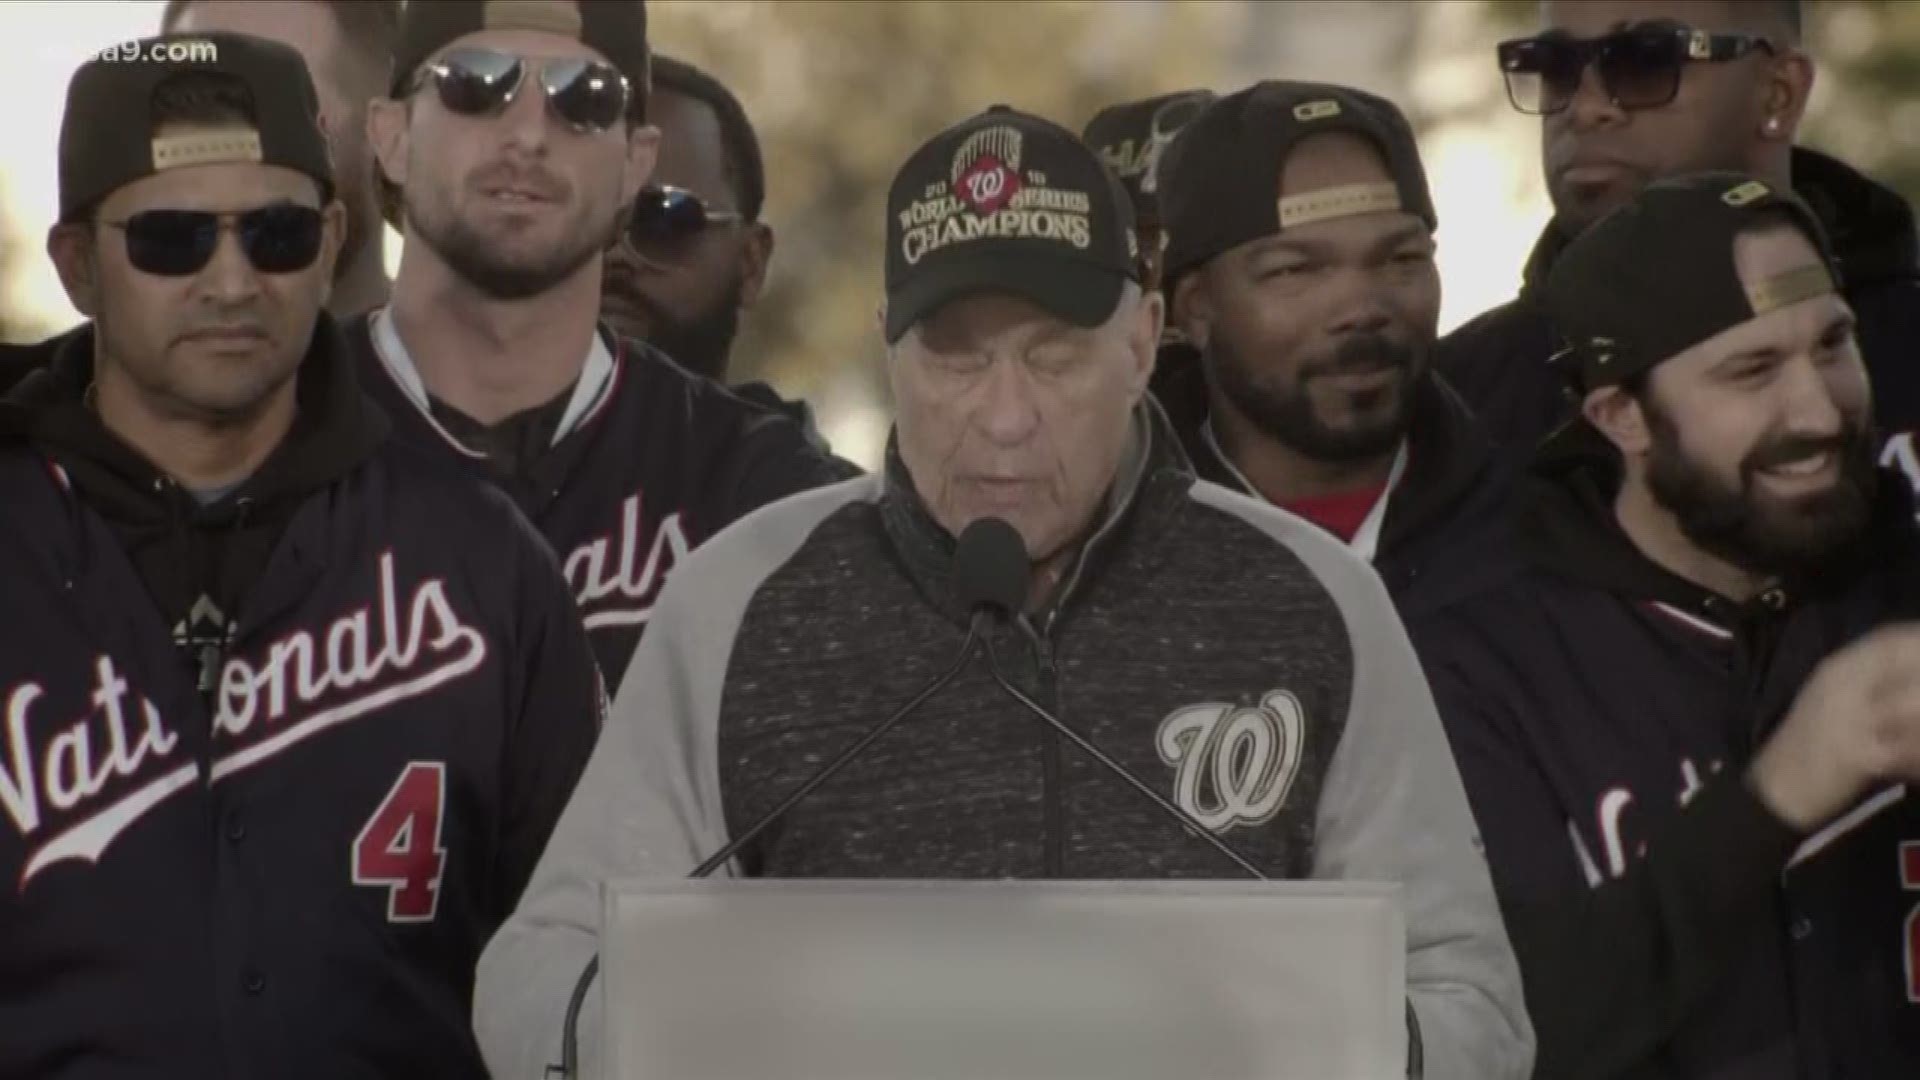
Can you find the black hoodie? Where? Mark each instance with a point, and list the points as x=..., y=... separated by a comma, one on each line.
x=1603, y=713
x=1498, y=360
x=198, y=561
x=287, y=869
x=1442, y=518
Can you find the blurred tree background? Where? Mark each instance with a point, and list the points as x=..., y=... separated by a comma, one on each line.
x=842, y=91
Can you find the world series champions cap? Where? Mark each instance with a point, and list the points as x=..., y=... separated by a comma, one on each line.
x=1220, y=180
x=616, y=29
x=1657, y=276
x=1006, y=202
x=108, y=139
x=1132, y=136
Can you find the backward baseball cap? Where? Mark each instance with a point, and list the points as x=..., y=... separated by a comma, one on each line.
x=108, y=138
x=1220, y=180
x=1007, y=202
x=1657, y=276
x=616, y=29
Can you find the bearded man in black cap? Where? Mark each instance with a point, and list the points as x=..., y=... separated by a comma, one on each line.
x=1301, y=239
x=1693, y=802
x=289, y=711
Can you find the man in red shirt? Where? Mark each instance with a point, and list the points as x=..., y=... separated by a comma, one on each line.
x=1300, y=265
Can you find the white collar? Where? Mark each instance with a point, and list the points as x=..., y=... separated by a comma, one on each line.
x=1366, y=540
x=596, y=376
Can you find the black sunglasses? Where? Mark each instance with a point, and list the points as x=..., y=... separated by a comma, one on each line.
x=666, y=220
x=279, y=239
x=587, y=95
x=1639, y=67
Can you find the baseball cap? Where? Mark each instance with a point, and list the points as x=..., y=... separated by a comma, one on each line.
x=1656, y=276
x=1132, y=135
x=107, y=139
x=1006, y=202
x=1220, y=180
x=617, y=29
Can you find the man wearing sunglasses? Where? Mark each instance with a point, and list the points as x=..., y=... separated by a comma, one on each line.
x=1698, y=810
x=1630, y=91
x=516, y=132
x=695, y=253
x=348, y=46
x=288, y=710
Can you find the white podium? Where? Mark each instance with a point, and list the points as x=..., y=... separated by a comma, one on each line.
x=1015, y=980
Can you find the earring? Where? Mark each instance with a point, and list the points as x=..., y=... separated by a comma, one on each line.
x=1773, y=125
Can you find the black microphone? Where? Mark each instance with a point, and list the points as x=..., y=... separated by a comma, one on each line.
x=1009, y=573
x=982, y=582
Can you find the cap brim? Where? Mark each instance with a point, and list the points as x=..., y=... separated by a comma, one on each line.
x=1079, y=292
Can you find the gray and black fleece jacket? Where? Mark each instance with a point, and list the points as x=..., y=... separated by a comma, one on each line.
x=1231, y=654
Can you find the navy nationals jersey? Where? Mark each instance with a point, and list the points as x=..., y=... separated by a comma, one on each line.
x=648, y=462
x=281, y=860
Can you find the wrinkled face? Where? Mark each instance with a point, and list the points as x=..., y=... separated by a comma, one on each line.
x=683, y=292
x=212, y=345
x=342, y=81
x=1760, y=438
x=1597, y=156
x=1003, y=410
x=514, y=201
x=1317, y=334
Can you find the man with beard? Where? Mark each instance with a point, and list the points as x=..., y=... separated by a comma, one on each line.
x=1703, y=868
x=517, y=134
x=1300, y=260
x=1629, y=91
x=348, y=45
x=695, y=252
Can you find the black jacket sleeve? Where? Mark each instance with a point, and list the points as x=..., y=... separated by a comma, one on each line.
x=558, y=714
x=1611, y=970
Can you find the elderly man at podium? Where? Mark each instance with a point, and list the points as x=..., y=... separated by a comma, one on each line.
x=1092, y=667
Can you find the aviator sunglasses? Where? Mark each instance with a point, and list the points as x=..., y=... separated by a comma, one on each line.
x=1639, y=67
x=587, y=95
x=279, y=239
x=666, y=220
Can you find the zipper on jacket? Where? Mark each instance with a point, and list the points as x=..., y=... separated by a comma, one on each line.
x=1052, y=805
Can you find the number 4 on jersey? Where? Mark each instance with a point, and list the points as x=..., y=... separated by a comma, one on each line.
x=399, y=846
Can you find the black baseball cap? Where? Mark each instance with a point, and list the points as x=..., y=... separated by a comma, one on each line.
x=1657, y=277
x=1132, y=135
x=616, y=29
x=1220, y=180
x=108, y=138
x=1006, y=202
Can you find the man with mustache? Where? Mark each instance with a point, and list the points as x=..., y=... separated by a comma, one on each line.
x=288, y=709
x=1685, y=785
x=518, y=134
x=1630, y=91
x=1300, y=262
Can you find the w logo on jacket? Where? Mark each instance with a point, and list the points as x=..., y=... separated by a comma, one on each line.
x=1234, y=764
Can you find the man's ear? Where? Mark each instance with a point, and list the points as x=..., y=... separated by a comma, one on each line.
x=70, y=246
x=756, y=253
x=1192, y=311
x=1788, y=88
x=1618, y=415
x=387, y=134
x=1143, y=338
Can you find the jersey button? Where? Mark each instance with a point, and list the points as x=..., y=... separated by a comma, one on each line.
x=1802, y=928
x=236, y=829
x=253, y=981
